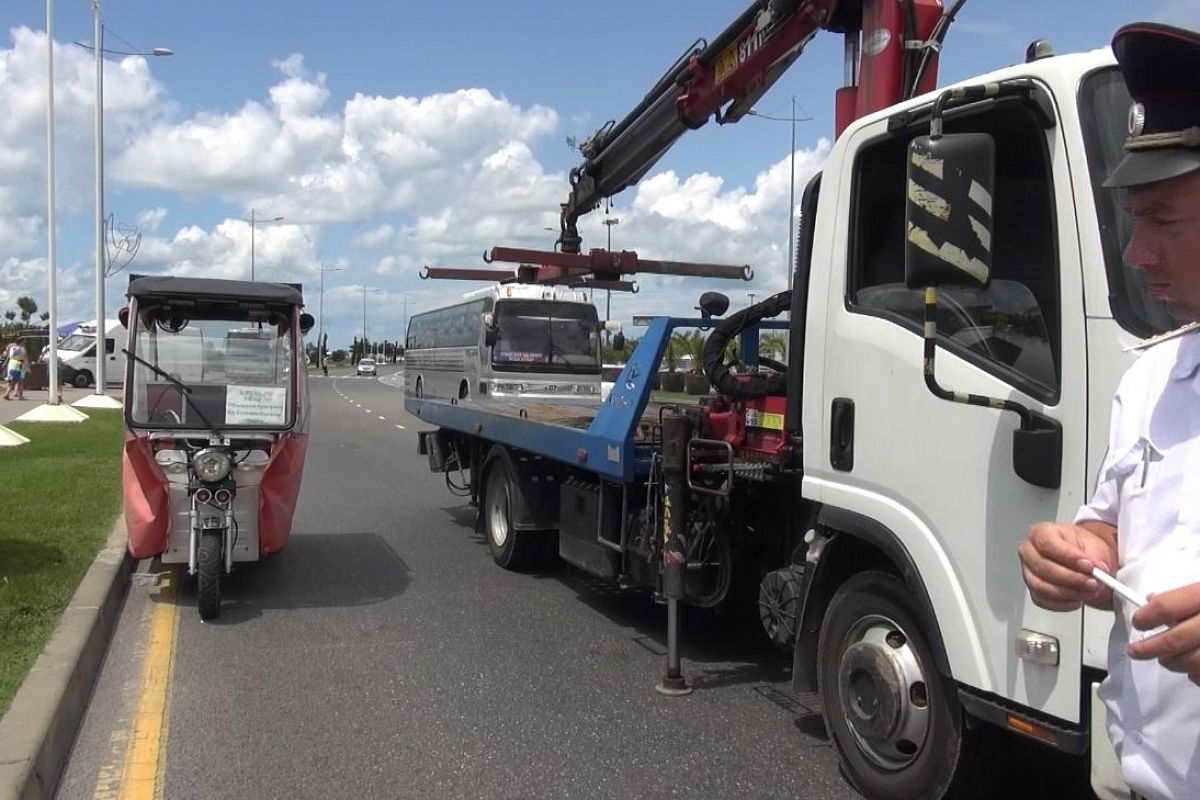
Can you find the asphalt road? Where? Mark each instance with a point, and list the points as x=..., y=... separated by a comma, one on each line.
x=384, y=655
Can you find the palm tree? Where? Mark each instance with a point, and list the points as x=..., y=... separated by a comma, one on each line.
x=45, y=317
x=695, y=349
x=677, y=346
x=28, y=309
x=773, y=345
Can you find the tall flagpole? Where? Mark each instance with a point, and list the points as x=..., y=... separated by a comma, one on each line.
x=51, y=222
x=53, y=410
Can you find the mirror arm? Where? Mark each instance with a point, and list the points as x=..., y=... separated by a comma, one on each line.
x=1037, y=444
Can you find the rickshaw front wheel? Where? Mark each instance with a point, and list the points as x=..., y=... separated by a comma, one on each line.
x=208, y=574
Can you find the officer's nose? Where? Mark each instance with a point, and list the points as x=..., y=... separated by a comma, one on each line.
x=1142, y=252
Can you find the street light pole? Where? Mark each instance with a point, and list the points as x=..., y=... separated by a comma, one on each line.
x=608, y=223
x=253, y=220
x=321, y=324
x=791, y=266
x=404, y=301
x=100, y=400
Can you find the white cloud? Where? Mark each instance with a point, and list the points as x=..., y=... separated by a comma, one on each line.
x=150, y=219
x=375, y=237
x=424, y=180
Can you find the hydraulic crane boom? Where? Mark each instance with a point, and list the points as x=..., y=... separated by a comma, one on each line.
x=898, y=40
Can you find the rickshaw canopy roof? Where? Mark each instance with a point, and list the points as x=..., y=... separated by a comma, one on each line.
x=214, y=290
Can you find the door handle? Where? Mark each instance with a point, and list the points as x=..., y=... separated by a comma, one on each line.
x=841, y=434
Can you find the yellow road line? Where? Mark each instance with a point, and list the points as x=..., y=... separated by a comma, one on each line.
x=142, y=774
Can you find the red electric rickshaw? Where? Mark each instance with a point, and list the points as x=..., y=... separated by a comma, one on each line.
x=216, y=415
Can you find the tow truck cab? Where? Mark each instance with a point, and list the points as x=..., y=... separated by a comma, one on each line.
x=927, y=488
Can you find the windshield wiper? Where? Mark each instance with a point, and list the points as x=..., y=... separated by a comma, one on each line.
x=185, y=390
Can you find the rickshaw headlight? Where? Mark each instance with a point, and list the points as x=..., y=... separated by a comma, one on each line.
x=211, y=465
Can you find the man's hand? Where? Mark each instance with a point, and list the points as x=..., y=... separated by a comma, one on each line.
x=1057, y=561
x=1178, y=647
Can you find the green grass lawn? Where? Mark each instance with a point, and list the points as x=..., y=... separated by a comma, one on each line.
x=59, y=497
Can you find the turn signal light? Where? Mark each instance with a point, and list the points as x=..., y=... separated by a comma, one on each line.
x=224, y=496
x=203, y=495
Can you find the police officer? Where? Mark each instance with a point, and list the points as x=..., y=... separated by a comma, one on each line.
x=1143, y=522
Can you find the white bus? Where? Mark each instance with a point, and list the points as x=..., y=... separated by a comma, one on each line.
x=508, y=340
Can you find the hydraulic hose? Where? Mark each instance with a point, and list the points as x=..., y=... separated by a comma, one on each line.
x=713, y=358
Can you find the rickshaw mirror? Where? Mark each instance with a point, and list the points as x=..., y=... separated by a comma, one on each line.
x=123, y=316
x=306, y=322
x=171, y=321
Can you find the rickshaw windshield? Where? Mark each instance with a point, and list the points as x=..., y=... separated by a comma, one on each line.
x=211, y=372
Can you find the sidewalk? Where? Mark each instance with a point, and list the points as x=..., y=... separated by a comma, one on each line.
x=11, y=409
x=38, y=730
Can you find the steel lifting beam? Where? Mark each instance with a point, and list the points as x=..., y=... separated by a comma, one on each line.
x=611, y=264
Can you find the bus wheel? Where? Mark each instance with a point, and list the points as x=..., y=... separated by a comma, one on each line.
x=511, y=549
x=894, y=718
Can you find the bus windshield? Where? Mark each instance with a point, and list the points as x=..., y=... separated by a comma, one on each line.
x=546, y=336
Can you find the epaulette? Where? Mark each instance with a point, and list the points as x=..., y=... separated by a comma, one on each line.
x=1163, y=337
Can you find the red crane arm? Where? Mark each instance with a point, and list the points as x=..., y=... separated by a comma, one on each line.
x=725, y=78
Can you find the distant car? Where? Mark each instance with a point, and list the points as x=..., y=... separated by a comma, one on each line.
x=366, y=366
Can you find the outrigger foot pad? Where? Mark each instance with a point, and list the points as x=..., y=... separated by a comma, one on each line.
x=673, y=687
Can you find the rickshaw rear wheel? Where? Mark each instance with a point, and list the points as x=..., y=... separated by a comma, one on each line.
x=208, y=575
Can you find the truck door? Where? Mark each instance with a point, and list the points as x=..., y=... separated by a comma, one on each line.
x=938, y=476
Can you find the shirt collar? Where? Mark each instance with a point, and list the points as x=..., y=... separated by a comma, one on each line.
x=1187, y=359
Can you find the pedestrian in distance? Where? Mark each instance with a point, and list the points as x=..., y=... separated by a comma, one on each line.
x=16, y=366
x=1142, y=525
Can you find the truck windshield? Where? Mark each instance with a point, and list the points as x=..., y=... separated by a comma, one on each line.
x=1104, y=108
x=547, y=336
x=240, y=374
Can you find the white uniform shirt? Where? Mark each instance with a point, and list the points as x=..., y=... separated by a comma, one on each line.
x=1149, y=489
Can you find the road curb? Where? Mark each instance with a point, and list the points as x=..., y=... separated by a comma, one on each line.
x=38, y=730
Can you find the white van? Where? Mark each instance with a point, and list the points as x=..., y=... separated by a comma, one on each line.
x=78, y=351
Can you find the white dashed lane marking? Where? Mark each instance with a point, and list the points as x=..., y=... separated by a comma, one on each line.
x=367, y=410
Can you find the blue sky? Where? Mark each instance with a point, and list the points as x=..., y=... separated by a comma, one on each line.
x=395, y=134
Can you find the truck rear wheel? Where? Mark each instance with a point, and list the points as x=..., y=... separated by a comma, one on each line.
x=895, y=719
x=511, y=549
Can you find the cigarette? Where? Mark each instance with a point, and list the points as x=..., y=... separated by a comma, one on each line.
x=1127, y=594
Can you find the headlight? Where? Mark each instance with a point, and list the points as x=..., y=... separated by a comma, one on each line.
x=211, y=465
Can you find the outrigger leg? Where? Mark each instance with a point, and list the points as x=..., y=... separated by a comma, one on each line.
x=677, y=430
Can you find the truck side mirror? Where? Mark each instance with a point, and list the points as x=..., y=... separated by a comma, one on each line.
x=948, y=242
x=490, y=332
x=306, y=322
x=948, y=213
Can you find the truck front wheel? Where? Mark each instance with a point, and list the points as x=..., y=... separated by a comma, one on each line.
x=894, y=718
x=511, y=549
